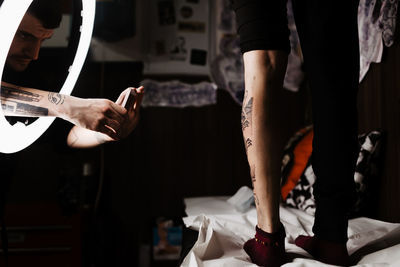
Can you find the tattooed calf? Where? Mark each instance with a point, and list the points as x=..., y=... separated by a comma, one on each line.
x=256, y=199
x=249, y=143
x=249, y=107
x=244, y=121
x=246, y=114
x=253, y=174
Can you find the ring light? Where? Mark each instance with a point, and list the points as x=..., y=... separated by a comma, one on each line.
x=19, y=136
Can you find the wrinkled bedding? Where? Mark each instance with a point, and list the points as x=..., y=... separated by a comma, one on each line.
x=223, y=230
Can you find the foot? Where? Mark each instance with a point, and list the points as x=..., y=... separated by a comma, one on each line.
x=324, y=251
x=267, y=249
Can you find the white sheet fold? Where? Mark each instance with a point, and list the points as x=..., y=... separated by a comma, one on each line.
x=223, y=230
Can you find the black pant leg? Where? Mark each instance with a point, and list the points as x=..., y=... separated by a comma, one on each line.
x=262, y=24
x=329, y=40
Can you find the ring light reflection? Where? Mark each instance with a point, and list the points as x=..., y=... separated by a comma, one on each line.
x=19, y=136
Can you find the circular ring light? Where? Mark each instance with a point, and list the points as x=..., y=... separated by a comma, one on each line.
x=19, y=136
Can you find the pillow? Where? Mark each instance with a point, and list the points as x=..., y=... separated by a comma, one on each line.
x=295, y=159
x=298, y=176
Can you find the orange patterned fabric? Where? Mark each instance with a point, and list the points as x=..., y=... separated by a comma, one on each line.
x=302, y=153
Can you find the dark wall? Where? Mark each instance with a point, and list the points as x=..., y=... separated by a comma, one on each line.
x=379, y=108
x=174, y=153
x=178, y=153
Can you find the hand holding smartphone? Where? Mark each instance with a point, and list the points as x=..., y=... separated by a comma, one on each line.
x=129, y=98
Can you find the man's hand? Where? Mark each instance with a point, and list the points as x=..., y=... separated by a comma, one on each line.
x=80, y=137
x=100, y=115
x=132, y=116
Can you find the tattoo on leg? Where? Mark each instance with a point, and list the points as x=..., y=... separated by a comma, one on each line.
x=256, y=199
x=16, y=93
x=253, y=174
x=55, y=98
x=249, y=143
x=246, y=114
x=244, y=121
x=249, y=107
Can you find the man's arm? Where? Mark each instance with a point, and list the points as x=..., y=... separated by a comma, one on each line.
x=80, y=137
x=101, y=115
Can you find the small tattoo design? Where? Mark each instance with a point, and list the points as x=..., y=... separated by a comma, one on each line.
x=249, y=143
x=55, y=98
x=246, y=114
x=249, y=107
x=31, y=110
x=16, y=93
x=256, y=199
x=245, y=124
x=244, y=121
x=253, y=174
x=16, y=108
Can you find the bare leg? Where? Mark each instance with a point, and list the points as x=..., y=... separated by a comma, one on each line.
x=264, y=73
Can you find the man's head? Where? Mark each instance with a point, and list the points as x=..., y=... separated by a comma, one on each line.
x=38, y=24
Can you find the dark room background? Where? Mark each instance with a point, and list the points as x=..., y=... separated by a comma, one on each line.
x=97, y=207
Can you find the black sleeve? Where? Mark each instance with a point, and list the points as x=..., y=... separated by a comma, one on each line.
x=262, y=24
x=56, y=135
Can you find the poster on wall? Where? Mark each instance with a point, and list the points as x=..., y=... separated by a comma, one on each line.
x=178, y=37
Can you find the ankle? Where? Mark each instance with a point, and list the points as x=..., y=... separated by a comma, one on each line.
x=269, y=226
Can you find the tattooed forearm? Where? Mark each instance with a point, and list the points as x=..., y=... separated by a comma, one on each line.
x=56, y=98
x=19, y=94
x=26, y=109
x=21, y=109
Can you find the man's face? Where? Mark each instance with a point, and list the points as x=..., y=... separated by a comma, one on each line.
x=27, y=41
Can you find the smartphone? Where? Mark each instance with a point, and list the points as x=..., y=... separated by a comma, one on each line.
x=129, y=99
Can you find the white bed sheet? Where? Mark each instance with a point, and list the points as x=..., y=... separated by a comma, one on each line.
x=223, y=231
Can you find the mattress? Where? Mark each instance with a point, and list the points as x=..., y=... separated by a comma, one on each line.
x=223, y=230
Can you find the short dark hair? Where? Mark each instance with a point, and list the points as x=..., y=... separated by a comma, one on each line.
x=49, y=12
